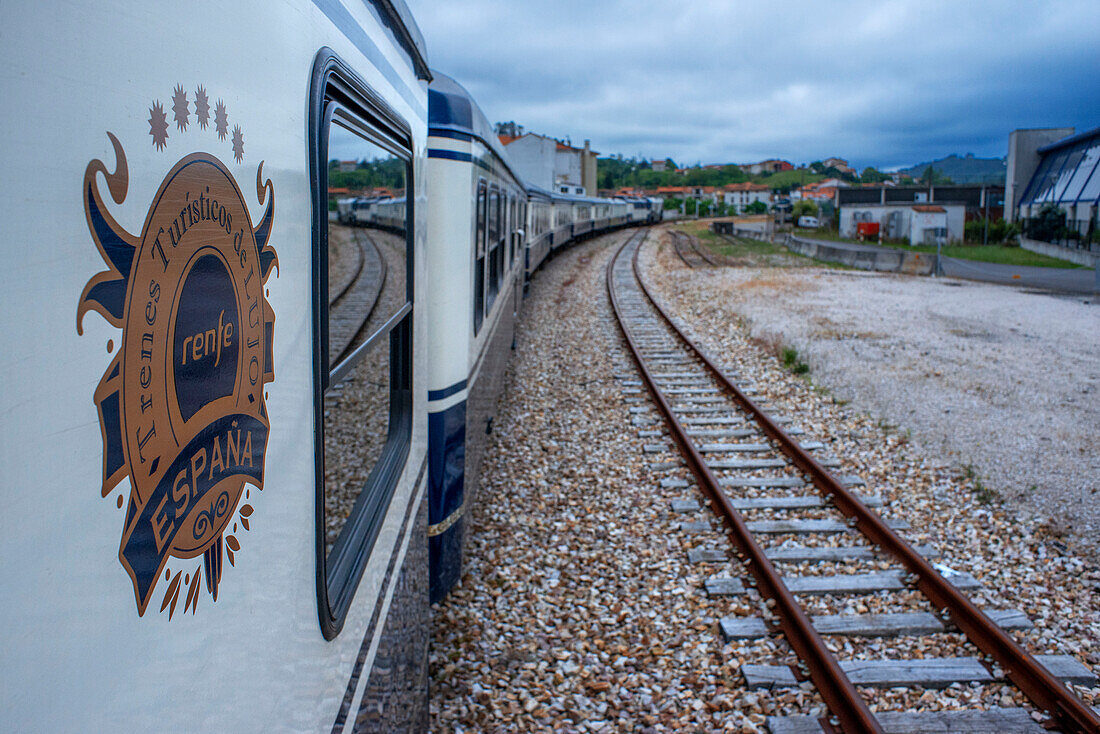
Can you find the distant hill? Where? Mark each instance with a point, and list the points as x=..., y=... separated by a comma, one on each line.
x=967, y=170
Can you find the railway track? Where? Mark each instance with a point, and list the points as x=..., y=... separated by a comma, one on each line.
x=353, y=302
x=690, y=251
x=781, y=508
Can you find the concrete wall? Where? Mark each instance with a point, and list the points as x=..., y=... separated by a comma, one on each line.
x=921, y=221
x=882, y=259
x=1023, y=159
x=864, y=257
x=1081, y=257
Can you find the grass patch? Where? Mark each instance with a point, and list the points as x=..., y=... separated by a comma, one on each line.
x=1001, y=254
x=743, y=246
x=793, y=362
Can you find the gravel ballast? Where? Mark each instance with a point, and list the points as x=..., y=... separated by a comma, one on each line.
x=579, y=609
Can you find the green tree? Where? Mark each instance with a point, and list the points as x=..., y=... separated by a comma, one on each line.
x=757, y=207
x=803, y=208
x=872, y=175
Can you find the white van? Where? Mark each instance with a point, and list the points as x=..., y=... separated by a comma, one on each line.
x=808, y=222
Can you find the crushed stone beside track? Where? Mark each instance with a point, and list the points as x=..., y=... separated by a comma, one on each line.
x=578, y=610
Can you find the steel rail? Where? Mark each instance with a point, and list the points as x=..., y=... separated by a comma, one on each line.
x=1069, y=712
x=677, y=246
x=351, y=281
x=849, y=711
x=702, y=251
x=343, y=360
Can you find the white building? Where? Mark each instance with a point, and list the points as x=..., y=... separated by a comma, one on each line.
x=921, y=224
x=551, y=164
x=741, y=195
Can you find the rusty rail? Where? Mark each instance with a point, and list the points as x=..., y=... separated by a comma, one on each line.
x=678, y=247
x=702, y=251
x=848, y=708
x=684, y=242
x=1068, y=711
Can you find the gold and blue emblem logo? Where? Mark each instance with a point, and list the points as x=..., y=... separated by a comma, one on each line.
x=182, y=404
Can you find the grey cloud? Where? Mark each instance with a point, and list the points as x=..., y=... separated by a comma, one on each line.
x=882, y=83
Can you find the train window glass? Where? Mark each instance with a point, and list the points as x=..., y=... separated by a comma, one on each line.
x=367, y=263
x=505, y=223
x=360, y=150
x=502, y=233
x=521, y=223
x=494, y=243
x=509, y=233
x=479, y=260
x=517, y=224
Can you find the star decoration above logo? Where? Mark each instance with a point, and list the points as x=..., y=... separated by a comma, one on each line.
x=179, y=107
x=221, y=120
x=202, y=107
x=181, y=111
x=238, y=143
x=158, y=125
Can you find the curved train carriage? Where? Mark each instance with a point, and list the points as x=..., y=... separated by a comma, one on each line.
x=272, y=417
x=488, y=233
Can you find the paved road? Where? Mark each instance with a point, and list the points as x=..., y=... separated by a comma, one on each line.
x=1080, y=280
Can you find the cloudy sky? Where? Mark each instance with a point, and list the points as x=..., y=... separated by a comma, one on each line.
x=879, y=83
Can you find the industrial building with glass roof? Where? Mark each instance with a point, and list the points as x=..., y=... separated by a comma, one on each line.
x=1068, y=176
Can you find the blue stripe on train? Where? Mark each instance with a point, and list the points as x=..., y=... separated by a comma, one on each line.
x=451, y=155
x=446, y=477
x=447, y=391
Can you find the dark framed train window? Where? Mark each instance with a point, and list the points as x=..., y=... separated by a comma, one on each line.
x=513, y=225
x=479, y=254
x=361, y=176
x=502, y=228
x=494, y=243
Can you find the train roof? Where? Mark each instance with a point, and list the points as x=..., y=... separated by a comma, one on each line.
x=451, y=109
x=538, y=192
x=577, y=199
x=395, y=15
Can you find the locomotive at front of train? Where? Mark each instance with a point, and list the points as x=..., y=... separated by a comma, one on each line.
x=476, y=272
x=214, y=459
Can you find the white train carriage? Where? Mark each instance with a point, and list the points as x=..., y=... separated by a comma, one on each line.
x=387, y=214
x=656, y=209
x=638, y=209
x=563, y=216
x=475, y=239
x=539, y=232
x=354, y=210
x=214, y=485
